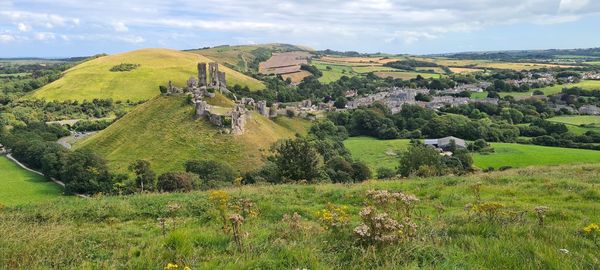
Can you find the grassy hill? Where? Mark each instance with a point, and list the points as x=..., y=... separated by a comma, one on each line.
x=93, y=79
x=163, y=132
x=383, y=153
x=112, y=232
x=18, y=186
x=242, y=58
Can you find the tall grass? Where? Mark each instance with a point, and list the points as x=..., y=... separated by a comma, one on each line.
x=123, y=232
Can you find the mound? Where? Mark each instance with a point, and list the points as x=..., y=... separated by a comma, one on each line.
x=94, y=79
x=163, y=132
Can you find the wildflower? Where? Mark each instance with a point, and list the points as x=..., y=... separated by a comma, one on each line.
x=564, y=250
x=171, y=266
x=187, y=268
x=589, y=229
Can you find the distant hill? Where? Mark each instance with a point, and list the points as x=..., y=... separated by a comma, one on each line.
x=245, y=58
x=93, y=79
x=163, y=132
x=588, y=53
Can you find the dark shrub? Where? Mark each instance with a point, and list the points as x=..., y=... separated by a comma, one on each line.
x=175, y=181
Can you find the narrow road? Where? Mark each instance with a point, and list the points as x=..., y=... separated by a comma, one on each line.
x=67, y=142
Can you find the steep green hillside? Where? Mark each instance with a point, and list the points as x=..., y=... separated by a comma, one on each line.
x=124, y=232
x=163, y=132
x=244, y=57
x=93, y=79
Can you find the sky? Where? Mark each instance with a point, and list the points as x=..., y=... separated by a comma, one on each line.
x=63, y=28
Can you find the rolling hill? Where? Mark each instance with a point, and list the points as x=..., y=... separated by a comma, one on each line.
x=245, y=58
x=163, y=132
x=93, y=79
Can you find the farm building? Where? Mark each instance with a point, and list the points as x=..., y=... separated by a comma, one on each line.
x=446, y=142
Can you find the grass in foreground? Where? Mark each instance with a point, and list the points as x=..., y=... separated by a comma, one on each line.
x=382, y=153
x=123, y=232
x=18, y=186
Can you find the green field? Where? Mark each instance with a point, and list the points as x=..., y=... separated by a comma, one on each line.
x=550, y=90
x=93, y=79
x=523, y=155
x=334, y=72
x=576, y=120
x=18, y=186
x=381, y=153
x=164, y=132
x=122, y=232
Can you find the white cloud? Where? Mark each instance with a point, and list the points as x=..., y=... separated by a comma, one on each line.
x=304, y=21
x=44, y=36
x=572, y=5
x=23, y=27
x=120, y=27
x=6, y=38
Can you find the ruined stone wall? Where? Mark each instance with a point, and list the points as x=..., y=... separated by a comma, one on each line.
x=202, y=75
x=238, y=120
x=213, y=75
x=262, y=108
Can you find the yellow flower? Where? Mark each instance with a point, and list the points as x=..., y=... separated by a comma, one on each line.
x=187, y=268
x=171, y=266
x=591, y=228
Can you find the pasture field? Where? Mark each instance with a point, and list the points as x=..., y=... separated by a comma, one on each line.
x=405, y=75
x=550, y=90
x=93, y=79
x=18, y=186
x=122, y=232
x=332, y=72
x=382, y=153
x=376, y=153
x=465, y=70
x=577, y=120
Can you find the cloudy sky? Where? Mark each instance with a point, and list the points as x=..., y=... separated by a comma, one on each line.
x=58, y=28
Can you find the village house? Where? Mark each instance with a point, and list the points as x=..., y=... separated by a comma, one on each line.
x=445, y=143
x=589, y=110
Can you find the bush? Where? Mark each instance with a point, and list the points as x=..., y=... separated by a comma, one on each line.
x=124, y=67
x=385, y=173
x=212, y=173
x=175, y=181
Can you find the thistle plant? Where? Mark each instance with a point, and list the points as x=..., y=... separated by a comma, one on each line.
x=386, y=218
x=540, y=212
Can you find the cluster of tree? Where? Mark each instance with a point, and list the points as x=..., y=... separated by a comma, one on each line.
x=22, y=112
x=348, y=53
x=198, y=175
x=260, y=54
x=424, y=161
x=409, y=64
x=91, y=125
x=416, y=122
x=320, y=156
x=124, y=67
x=82, y=171
x=312, y=69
